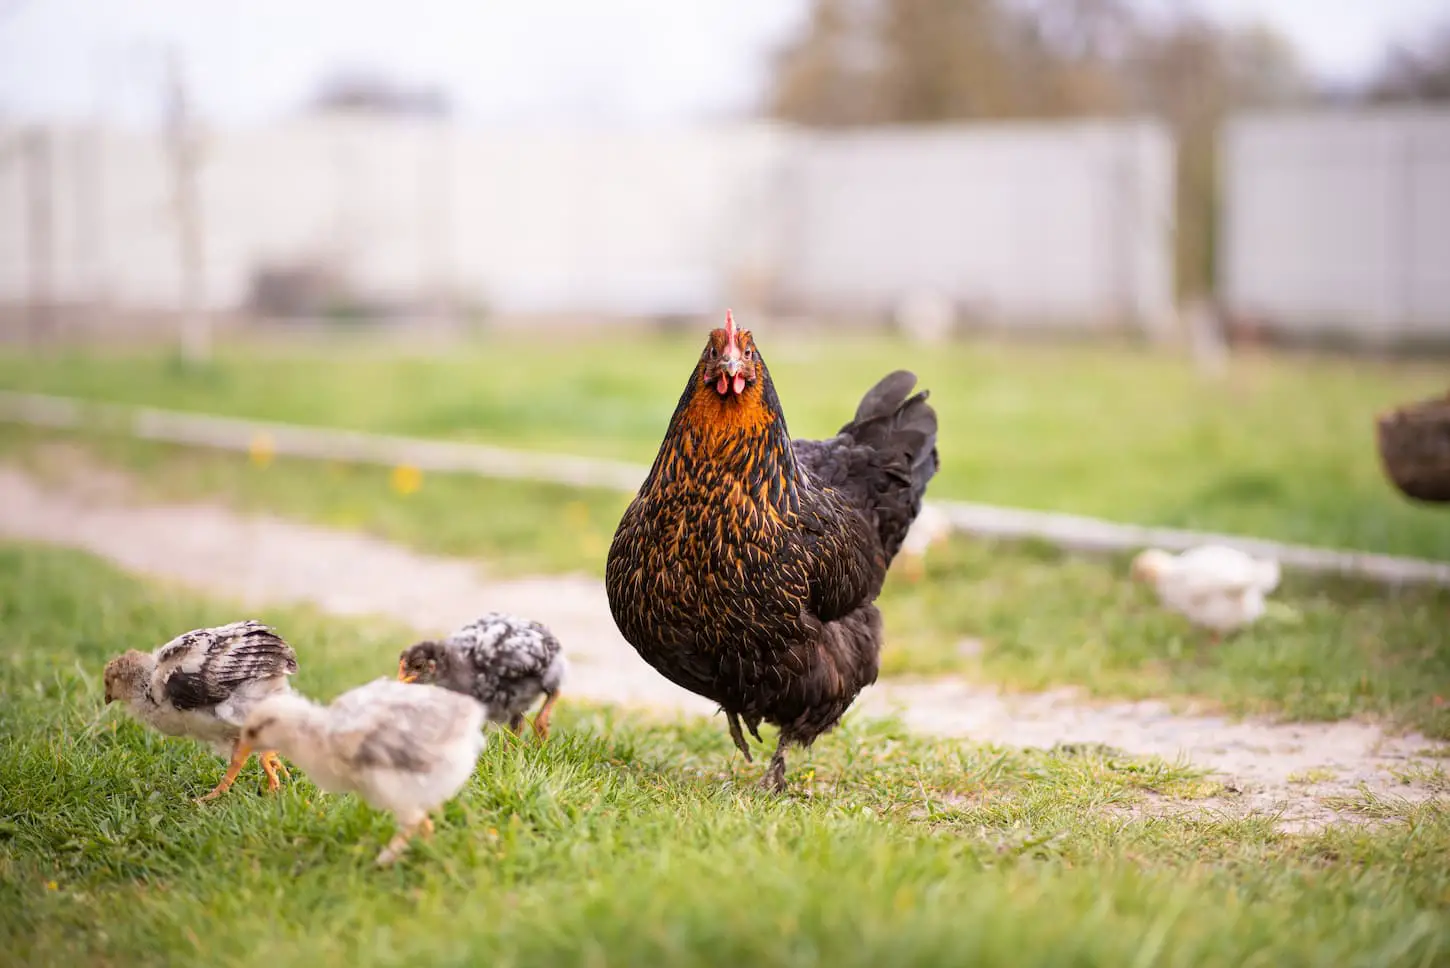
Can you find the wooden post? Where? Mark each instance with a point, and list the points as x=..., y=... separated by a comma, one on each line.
x=184, y=146
x=40, y=213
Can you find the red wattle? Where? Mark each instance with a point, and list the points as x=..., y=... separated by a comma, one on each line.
x=721, y=385
x=739, y=384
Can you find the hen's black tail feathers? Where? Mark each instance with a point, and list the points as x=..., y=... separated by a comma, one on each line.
x=902, y=432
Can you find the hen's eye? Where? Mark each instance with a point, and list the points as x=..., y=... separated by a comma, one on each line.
x=748, y=354
x=714, y=352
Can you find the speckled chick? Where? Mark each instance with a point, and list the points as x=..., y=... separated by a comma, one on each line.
x=503, y=661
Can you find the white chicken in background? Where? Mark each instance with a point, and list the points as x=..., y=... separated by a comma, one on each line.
x=402, y=747
x=931, y=527
x=1215, y=587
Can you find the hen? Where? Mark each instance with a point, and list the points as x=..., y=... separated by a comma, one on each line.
x=746, y=567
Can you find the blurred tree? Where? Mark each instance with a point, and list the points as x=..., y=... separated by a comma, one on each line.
x=829, y=75
x=862, y=62
x=1416, y=73
x=1193, y=73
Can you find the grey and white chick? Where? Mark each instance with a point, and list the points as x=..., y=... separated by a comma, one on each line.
x=401, y=747
x=503, y=661
x=203, y=684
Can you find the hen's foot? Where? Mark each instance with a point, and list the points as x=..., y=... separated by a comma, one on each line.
x=774, y=779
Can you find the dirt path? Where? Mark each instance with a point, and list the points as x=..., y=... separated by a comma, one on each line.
x=1284, y=769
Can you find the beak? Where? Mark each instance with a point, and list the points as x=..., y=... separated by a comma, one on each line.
x=402, y=675
x=109, y=700
x=732, y=367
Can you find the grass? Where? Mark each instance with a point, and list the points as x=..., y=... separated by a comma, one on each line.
x=626, y=841
x=1020, y=614
x=1283, y=447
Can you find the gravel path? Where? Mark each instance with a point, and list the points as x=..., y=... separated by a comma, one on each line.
x=1284, y=769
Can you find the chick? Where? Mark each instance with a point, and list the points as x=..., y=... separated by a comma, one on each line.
x=503, y=661
x=202, y=685
x=1218, y=588
x=402, y=748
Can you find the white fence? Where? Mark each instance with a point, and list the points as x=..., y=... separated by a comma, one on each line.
x=1339, y=223
x=1064, y=221
x=1032, y=222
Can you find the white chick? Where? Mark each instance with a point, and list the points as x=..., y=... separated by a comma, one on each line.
x=402, y=747
x=1218, y=588
x=930, y=527
x=503, y=661
x=203, y=684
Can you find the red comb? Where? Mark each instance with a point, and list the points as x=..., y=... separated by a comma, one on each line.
x=729, y=328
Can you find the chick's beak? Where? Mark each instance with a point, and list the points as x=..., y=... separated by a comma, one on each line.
x=403, y=673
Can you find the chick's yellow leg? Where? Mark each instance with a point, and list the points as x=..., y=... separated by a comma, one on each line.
x=399, y=843
x=272, y=765
x=240, y=754
x=541, y=721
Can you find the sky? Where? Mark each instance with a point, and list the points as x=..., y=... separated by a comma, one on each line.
x=633, y=61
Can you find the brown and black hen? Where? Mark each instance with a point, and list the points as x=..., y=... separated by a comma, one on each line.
x=746, y=567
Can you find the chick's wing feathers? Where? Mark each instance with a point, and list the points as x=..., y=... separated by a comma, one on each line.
x=204, y=667
x=392, y=725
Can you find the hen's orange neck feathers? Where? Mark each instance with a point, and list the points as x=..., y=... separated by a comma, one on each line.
x=729, y=415
x=710, y=414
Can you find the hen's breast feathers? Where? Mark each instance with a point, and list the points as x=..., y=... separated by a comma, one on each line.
x=738, y=523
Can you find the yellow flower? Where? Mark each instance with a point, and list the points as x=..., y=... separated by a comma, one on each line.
x=406, y=479
x=262, y=449
x=577, y=514
x=52, y=886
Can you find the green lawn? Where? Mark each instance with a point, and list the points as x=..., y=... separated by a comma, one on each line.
x=1020, y=614
x=1283, y=447
x=631, y=842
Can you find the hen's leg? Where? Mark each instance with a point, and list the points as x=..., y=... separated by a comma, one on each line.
x=239, y=759
x=753, y=724
x=516, y=723
x=738, y=736
x=541, y=721
x=774, y=779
